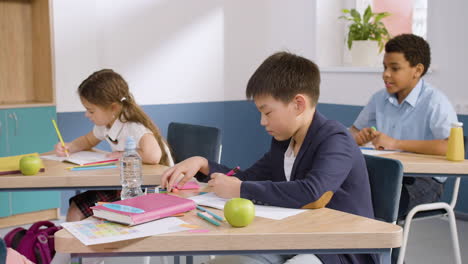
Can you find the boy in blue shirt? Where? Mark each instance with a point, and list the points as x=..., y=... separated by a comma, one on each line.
x=312, y=162
x=409, y=115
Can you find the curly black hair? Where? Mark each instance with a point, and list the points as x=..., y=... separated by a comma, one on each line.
x=415, y=49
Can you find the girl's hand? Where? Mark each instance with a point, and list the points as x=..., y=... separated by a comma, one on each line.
x=365, y=135
x=385, y=142
x=115, y=155
x=182, y=172
x=225, y=186
x=60, y=150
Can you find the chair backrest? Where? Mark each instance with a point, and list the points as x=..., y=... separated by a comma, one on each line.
x=2, y=251
x=385, y=177
x=187, y=140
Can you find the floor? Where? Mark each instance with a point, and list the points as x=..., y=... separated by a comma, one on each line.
x=429, y=242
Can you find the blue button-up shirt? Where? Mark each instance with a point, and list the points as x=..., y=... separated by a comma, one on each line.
x=425, y=114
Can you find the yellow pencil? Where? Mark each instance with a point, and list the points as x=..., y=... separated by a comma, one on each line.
x=60, y=137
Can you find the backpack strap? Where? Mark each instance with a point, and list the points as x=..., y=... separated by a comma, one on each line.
x=36, y=226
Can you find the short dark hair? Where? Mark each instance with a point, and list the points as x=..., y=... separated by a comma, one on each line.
x=283, y=75
x=415, y=49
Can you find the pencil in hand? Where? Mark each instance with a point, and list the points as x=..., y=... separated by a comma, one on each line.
x=60, y=137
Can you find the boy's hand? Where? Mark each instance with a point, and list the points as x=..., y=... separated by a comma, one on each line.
x=185, y=169
x=225, y=186
x=115, y=155
x=60, y=150
x=385, y=142
x=365, y=135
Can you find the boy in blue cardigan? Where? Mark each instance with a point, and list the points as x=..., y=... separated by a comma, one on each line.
x=312, y=163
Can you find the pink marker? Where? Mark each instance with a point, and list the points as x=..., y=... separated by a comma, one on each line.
x=233, y=171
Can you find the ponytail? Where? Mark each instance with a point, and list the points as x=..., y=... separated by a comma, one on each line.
x=131, y=112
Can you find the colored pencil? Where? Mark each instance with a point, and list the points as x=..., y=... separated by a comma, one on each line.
x=94, y=168
x=211, y=213
x=60, y=137
x=209, y=220
x=102, y=161
x=233, y=171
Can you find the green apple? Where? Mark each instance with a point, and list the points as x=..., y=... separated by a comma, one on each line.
x=239, y=212
x=30, y=165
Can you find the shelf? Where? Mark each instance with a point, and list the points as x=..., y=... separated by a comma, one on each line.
x=25, y=105
x=26, y=74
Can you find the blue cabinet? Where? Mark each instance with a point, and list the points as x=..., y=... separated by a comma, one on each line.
x=27, y=130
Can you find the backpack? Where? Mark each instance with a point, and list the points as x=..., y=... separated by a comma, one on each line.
x=36, y=243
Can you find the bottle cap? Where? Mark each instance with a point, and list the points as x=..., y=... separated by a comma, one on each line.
x=130, y=143
x=457, y=124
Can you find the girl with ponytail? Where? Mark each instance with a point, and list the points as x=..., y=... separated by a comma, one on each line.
x=112, y=108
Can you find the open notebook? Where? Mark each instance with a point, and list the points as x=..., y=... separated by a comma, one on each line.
x=82, y=157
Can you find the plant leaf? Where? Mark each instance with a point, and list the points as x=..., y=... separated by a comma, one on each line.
x=367, y=15
x=355, y=14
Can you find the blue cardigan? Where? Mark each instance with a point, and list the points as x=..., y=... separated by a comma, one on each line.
x=329, y=171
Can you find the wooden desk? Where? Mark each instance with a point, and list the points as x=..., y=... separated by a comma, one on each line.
x=429, y=165
x=315, y=231
x=56, y=176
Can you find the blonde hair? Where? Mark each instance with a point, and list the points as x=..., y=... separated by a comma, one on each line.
x=104, y=87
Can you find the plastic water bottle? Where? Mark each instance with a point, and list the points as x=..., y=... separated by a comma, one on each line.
x=456, y=149
x=130, y=171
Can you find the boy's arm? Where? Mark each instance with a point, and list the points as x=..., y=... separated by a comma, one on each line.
x=330, y=167
x=430, y=147
x=261, y=170
x=364, y=135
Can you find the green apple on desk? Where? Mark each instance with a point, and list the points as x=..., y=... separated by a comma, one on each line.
x=30, y=165
x=239, y=212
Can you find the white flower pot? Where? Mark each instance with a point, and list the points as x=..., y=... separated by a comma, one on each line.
x=365, y=53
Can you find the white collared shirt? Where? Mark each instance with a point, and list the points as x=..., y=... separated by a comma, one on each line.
x=289, y=159
x=119, y=133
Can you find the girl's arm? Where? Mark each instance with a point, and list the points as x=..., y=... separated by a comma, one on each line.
x=149, y=149
x=85, y=142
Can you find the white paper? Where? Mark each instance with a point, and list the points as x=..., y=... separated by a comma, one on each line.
x=375, y=152
x=80, y=158
x=271, y=212
x=93, y=231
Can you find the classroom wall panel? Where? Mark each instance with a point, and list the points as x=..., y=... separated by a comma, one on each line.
x=244, y=139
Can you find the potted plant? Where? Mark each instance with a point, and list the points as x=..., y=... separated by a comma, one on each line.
x=367, y=35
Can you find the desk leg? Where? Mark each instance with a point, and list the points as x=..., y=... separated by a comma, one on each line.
x=74, y=259
x=176, y=260
x=189, y=260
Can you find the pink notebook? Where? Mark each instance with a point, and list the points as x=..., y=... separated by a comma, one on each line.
x=143, y=208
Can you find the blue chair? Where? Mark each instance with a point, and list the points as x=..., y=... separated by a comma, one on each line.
x=386, y=180
x=187, y=140
x=3, y=251
x=430, y=210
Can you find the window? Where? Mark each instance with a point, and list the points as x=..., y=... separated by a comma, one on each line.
x=407, y=17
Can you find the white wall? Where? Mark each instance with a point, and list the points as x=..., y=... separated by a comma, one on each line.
x=448, y=40
x=174, y=51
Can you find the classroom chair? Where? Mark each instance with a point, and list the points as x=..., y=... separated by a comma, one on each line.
x=187, y=140
x=430, y=210
x=3, y=251
x=386, y=179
